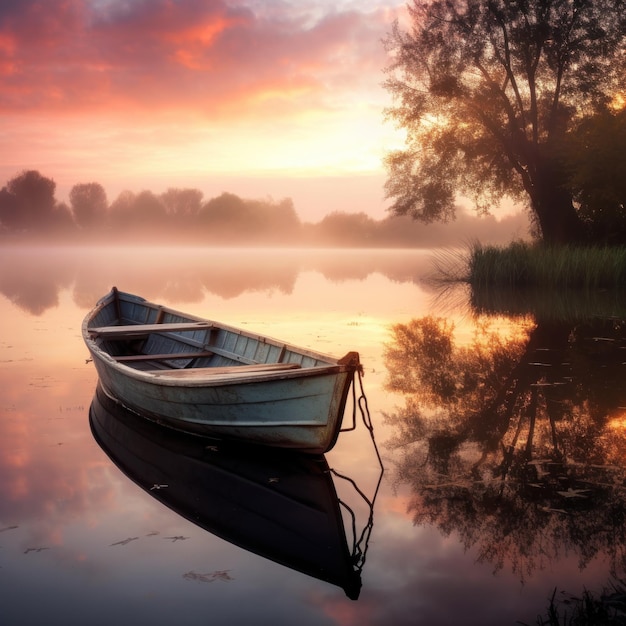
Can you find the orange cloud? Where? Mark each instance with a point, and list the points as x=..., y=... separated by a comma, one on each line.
x=208, y=57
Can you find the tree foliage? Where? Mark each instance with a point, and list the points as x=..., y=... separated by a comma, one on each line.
x=229, y=216
x=487, y=90
x=89, y=204
x=143, y=211
x=225, y=208
x=595, y=158
x=182, y=203
x=341, y=228
x=27, y=202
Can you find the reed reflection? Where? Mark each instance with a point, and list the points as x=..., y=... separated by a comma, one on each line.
x=515, y=442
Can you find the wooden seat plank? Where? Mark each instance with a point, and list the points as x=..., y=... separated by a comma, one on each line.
x=204, y=372
x=135, y=330
x=186, y=355
x=161, y=357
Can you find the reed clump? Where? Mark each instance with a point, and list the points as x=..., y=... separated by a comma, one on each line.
x=526, y=265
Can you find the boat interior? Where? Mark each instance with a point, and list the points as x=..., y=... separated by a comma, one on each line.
x=154, y=338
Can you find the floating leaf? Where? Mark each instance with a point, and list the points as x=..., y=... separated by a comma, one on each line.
x=8, y=528
x=210, y=577
x=34, y=550
x=177, y=538
x=124, y=541
x=573, y=493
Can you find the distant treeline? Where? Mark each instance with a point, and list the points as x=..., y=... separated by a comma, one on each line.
x=29, y=210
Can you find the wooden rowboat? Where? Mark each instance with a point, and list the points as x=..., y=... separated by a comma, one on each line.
x=281, y=506
x=207, y=378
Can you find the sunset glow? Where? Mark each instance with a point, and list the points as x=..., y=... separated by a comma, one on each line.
x=257, y=98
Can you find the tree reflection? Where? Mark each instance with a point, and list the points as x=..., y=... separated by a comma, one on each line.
x=33, y=277
x=515, y=442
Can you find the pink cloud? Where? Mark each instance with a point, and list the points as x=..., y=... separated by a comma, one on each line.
x=213, y=58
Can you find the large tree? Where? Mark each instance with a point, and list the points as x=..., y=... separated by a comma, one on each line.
x=487, y=91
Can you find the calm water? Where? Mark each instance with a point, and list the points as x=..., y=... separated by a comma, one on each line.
x=503, y=441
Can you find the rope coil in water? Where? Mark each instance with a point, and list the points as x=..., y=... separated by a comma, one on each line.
x=360, y=545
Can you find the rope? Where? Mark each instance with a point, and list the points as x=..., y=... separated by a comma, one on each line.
x=360, y=545
x=367, y=418
x=363, y=406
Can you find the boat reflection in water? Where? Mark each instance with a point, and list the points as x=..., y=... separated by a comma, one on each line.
x=282, y=505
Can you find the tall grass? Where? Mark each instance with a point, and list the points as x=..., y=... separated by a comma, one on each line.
x=530, y=265
x=588, y=609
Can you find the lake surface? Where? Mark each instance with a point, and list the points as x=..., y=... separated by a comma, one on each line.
x=503, y=439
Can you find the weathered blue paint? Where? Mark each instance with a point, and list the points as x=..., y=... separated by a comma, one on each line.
x=294, y=408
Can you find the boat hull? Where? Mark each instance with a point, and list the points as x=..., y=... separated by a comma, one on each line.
x=289, y=413
x=299, y=408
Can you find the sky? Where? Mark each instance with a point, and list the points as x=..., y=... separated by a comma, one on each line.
x=261, y=98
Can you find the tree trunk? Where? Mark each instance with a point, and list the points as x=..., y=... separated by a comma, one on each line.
x=554, y=209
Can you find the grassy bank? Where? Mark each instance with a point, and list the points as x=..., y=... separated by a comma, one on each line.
x=522, y=265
